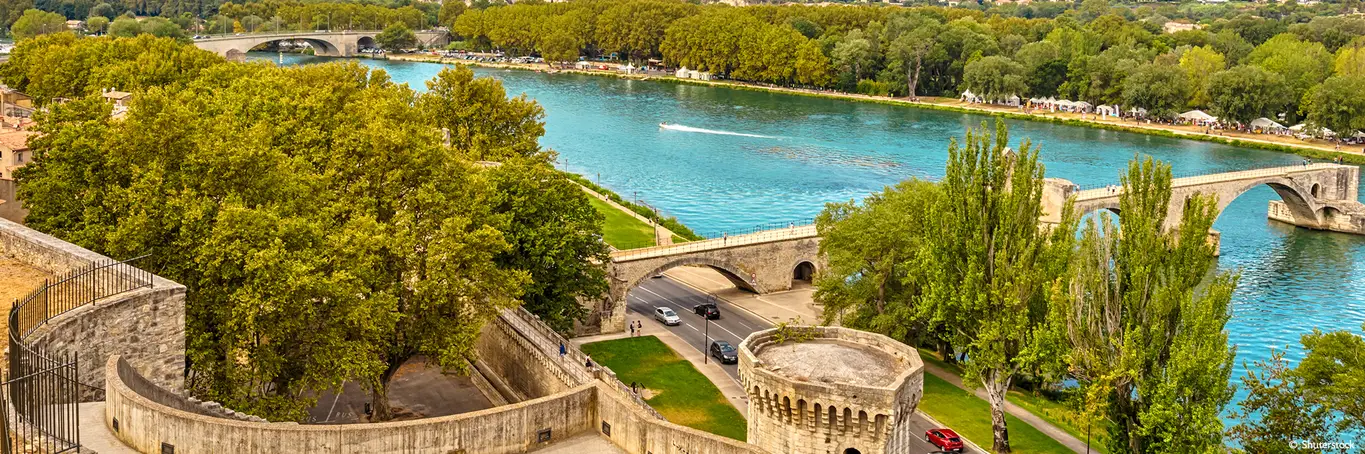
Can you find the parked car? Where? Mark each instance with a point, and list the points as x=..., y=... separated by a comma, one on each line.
x=724, y=352
x=667, y=316
x=944, y=439
x=707, y=310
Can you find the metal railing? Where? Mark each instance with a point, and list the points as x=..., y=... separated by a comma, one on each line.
x=575, y=357
x=40, y=392
x=1100, y=191
x=790, y=231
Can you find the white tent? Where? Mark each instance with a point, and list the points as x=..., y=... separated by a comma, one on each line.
x=1266, y=123
x=1108, y=111
x=582, y=65
x=1197, y=115
x=1138, y=112
x=1013, y=100
x=681, y=73
x=1082, y=105
x=1297, y=127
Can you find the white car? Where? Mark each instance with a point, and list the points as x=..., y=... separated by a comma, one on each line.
x=666, y=316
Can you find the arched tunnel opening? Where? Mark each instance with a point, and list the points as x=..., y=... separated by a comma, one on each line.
x=701, y=305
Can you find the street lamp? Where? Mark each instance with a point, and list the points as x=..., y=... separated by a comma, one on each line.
x=706, y=340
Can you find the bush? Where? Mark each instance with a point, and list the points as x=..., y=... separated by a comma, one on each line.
x=874, y=88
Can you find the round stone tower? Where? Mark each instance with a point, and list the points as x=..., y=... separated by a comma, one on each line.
x=830, y=390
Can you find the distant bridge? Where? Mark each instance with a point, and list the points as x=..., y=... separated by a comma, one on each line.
x=336, y=43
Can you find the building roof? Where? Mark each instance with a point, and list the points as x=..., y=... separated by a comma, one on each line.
x=15, y=139
x=117, y=95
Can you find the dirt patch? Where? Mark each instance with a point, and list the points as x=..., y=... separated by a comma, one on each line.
x=17, y=279
x=648, y=394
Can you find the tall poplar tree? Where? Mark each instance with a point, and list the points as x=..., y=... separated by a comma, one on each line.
x=1145, y=320
x=995, y=264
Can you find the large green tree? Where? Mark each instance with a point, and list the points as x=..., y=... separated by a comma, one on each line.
x=1303, y=64
x=37, y=22
x=1201, y=63
x=1337, y=104
x=995, y=264
x=995, y=78
x=1245, y=93
x=1163, y=90
x=395, y=37
x=1145, y=319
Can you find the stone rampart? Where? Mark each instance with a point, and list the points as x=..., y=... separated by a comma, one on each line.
x=637, y=432
x=151, y=426
x=146, y=325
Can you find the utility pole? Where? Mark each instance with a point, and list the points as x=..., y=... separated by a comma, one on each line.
x=706, y=339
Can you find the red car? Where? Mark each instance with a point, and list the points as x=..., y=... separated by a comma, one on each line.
x=944, y=439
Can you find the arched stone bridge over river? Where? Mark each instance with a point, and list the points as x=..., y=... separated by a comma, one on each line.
x=1315, y=196
x=335, y=43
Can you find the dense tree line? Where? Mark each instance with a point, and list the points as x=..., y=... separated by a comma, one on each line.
x=1137, y=320
x=329, y=224
x=1243, y=64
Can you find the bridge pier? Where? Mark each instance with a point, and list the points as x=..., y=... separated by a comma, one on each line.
x=1343, y=217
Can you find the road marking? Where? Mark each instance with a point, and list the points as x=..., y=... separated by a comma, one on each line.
x=651, y=292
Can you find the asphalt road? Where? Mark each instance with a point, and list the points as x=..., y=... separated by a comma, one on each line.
x=733, y=326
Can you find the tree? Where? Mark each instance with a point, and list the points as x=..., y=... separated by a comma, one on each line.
x=1245, y=93
x=812, y=66
x=854, y=55
x=450, y=12
x=1145, y=321
x=994, y=266
x=994, y=78
x=1350, y=60
x=36, y=22
x=560, y=46
x=104, y=10
x=1278, y=412
x=1200, y=63
x=1337, y=104
x=555, y=236
x=1302, y=64
x=1162, y=89
x=396, y=36
x=96, y=24
x=478, y=117
x=124, y=27
x=878, y=253
x=909, y=51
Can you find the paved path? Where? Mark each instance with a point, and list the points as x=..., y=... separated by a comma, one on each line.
x=782, y=306
x=581, y=443
x=662, y=236
x=96, y=436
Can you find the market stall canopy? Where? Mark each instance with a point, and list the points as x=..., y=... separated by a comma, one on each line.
x=1266, y=123
x=1197, y=115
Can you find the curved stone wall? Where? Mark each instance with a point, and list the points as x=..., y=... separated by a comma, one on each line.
x=788, y=415
x=150, y=426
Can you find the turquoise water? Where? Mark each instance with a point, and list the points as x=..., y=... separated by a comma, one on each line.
x=743, y=158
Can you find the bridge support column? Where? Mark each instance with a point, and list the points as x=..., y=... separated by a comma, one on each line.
x=1344, y=217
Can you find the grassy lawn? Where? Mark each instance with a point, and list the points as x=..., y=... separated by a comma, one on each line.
x=621, y=230
x=1056, y=413
x=680, y=392
x=970, y=416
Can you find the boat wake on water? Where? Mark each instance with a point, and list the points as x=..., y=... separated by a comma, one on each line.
x=681, y=128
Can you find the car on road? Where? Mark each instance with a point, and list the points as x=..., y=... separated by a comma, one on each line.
x=944, y=439
x=667, y=316
x=707, y=310
x=724, y=352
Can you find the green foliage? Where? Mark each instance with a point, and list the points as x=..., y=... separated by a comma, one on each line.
x=620, y=229
x=319, y=244
x=1145, y=322
x=1201, y=63
x=1338, y=104
x=1279, y=413
x=1245, y=93
x=793, y=331
x=669, y=223
x=969, y=416
x=479, y=119
x=36, y=22
x=994, y=78
x=873, y=88
x=681, y=392
x=1163, y=89
x=96, y=24
x=395, y=37
x=1302, y=64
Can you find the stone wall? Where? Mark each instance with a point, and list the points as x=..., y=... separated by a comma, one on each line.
x=513, y=354
x=146, y=325
x=149, y=426
x=11, y=207
x=637, y=432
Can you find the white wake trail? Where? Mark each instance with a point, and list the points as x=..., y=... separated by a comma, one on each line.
x=681, y=128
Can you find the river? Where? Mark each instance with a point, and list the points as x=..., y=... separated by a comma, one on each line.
x=740, y=158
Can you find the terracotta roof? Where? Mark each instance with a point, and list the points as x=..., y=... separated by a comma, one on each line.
x=15, y=140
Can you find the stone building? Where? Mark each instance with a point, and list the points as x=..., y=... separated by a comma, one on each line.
x=841, y=391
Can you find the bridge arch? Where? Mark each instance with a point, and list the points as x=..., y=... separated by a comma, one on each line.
x=742, y=279
x=1300, y=198
x=365, y=42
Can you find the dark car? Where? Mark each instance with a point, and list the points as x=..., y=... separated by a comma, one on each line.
x=707, y=310
x=944, y=439
x=721, y=350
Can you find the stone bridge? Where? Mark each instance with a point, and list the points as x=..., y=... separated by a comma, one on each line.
x=761, y=262
x=337, y=43
x=1315, y=196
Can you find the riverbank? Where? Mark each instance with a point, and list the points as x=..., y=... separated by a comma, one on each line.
x=1313, y=149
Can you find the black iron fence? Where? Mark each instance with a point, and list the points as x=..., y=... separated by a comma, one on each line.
x=40, y=392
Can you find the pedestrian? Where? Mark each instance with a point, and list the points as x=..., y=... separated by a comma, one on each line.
x=562, y=351
x=633, y=389
x=639, y=328
x=632, y=329
x=588, y=361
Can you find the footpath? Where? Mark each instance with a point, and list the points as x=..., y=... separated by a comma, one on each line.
x=799, y=304
x=662, y=236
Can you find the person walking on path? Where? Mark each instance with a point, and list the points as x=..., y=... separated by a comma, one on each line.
x=632, y=329
x=562, y=351
x=639, y=328
x=588, y=362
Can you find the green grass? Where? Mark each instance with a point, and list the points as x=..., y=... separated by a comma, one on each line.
x=621, y=230
x=1056, y=413
x=682, y=393
x=971, y=417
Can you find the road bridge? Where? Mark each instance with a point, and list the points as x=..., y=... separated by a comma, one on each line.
x=335, y=43
x=1315, y=196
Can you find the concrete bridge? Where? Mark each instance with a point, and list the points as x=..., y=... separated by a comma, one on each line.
x=336, y=43
x=760, y=262
x=1316, y=196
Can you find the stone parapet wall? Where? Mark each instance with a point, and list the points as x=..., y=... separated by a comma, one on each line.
x=149, y=426
x=41, y=250
x=638, y=432
x=141, y=385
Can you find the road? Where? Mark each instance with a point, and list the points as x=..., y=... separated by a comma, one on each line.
x=733, y=326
